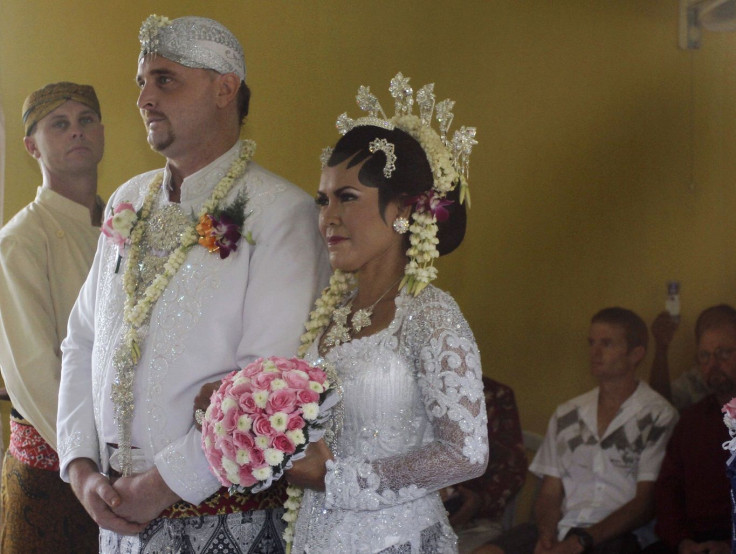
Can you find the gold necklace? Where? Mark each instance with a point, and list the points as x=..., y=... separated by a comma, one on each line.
x=341, y=332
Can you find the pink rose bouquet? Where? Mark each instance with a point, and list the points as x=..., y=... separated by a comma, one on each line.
x=261, y=420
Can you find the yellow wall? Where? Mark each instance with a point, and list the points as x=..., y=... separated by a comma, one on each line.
x=605, y=166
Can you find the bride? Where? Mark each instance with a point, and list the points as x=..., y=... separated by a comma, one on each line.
x=412, y=418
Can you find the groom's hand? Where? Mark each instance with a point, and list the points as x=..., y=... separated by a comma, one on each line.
x=202, y=400
x=143, y=496
x=99, y=498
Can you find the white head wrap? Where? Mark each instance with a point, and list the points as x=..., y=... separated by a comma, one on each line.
x=193, y=42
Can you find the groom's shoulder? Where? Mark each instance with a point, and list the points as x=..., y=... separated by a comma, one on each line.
x=265, y=186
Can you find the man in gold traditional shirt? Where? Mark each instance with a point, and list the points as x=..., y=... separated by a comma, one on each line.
x=45, y=254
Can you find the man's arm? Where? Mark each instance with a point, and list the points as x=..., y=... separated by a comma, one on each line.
x=632, y=515
x=289, y=266
x=663, y=329
x=548, y=511
x=76, y=427
x=29, y=343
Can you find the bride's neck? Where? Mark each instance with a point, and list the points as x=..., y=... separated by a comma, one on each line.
x=371, y=286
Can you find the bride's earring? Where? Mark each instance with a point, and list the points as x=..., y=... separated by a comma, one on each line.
x=401, y=225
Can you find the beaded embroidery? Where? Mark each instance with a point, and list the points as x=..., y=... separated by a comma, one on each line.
x=145, y=279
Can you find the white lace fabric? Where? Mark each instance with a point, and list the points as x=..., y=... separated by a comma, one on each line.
x=413, y=421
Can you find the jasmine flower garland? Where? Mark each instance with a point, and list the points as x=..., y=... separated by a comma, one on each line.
x=340, y=284
x=438, y=155
x=136, y=312
x=319, y=318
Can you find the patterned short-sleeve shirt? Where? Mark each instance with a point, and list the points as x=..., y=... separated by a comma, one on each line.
x=600, y=474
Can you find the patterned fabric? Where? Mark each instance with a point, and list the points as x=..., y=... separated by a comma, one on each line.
x=430, y=540
x=256, y=532
x=223, y=502
x=28, y=447
x=599, y=474
x=413, y=421
x=43, y=101
x=507, y=462
x=41, y=513
x=504, y=477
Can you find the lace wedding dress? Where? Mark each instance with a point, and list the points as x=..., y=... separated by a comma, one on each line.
x=412, y=420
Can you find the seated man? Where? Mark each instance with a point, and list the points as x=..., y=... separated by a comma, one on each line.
x=692, y=494
x=477, y=506
x=689, y=387
x=602, y=452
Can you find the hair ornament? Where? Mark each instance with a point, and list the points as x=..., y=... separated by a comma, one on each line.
x=402, y=93
x=387, y=148
x=449, y=160
x=324, y=157
x=425, y=101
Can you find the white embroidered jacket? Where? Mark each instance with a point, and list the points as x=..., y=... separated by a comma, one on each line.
x=215, y=316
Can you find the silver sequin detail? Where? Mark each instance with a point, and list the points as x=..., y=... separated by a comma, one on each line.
x=196, y=42
x=413, y=420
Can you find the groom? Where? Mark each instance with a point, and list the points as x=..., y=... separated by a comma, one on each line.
x=163, y=314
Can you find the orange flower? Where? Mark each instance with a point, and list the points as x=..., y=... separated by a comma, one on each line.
x=207, y=237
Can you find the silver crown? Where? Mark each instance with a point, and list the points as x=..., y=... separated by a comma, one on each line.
x=457, y=149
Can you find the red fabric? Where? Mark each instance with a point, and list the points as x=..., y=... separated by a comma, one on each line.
x=28, y=447
x=692, y=493
x=224, y=503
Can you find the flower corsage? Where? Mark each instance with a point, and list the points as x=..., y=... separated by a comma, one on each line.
x=221, y=231
x=118, y=227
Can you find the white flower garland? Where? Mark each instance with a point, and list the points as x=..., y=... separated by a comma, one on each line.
x=135, y=312
x=420, y=270
x=340, y=284
x=292, y=504
x=438, y=156
x=319, y=318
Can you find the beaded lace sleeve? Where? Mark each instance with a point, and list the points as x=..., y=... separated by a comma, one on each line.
x=439, y=345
